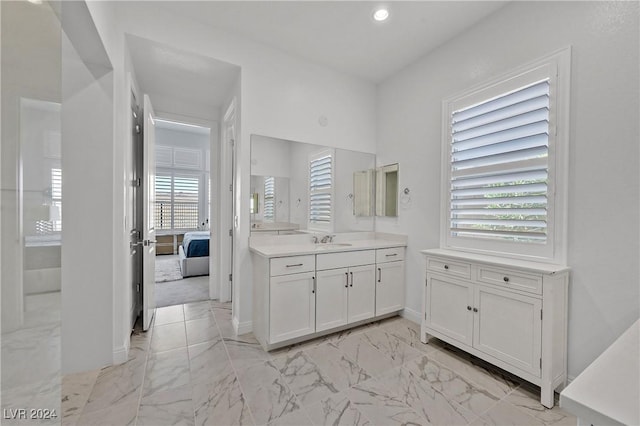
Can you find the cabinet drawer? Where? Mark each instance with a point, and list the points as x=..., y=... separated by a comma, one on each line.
x=389, y=254
x=447, y=267
x=345, y=259
x=292, y=265
x=509, y=278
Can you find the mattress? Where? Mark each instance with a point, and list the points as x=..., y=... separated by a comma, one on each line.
x=196, y=243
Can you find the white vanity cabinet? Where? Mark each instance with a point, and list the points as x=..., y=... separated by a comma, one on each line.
x=290, y=296
x=389, y=280
x=507, y=312
x=298, y=297
x=346, y=290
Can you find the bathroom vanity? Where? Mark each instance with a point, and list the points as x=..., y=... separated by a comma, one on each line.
x=302, y=290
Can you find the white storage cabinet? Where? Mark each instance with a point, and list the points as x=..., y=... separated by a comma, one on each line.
x=510, y=313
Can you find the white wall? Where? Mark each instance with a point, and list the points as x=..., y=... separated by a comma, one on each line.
x=87, y=274
x=603, y=192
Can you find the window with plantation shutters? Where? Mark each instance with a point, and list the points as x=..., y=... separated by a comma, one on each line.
x=321, y=190
x=185, y=202
x=503, y=190
x=269, y=198
x=177, y=201
x=499, y=162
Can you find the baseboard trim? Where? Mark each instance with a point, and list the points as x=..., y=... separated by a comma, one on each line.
x=241, y=328
x=411, y=315
x=121, y=354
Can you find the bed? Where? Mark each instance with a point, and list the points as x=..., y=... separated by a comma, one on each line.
x=194, y=254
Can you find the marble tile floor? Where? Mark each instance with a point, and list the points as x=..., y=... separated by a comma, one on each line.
x=190, y=369
x=30, y=373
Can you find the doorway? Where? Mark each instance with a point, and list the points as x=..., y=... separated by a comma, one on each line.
x=190, y=94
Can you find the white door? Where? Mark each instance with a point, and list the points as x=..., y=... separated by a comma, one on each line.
x=292, y=306
x=362, y=292
x=331, y=298
x=508, y=326
x=449, y=308
x=389, y=287
x=148, y=228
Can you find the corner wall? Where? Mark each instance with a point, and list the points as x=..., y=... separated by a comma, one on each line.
x=603, y=244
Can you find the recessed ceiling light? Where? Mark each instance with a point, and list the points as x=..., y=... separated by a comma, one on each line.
x=381, y=14
x=35, y=1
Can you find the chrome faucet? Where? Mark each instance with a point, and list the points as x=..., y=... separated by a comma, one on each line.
x=327, y=239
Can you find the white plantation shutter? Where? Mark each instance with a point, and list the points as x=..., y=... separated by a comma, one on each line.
x=321, y=189
x=163, y=201
x=185, y=202
x=177, y=201
x=56, y=199
x=269, y=198
x=499, y=167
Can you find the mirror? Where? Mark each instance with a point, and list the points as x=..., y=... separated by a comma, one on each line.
x=387, y=190
x=315, y=188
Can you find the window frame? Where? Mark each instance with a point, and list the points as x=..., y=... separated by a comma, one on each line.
x=556, y=66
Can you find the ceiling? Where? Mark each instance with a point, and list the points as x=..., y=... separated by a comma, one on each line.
x=180, y=82
x=342, y=34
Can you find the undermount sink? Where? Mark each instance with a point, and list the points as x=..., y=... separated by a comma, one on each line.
x=326, y=246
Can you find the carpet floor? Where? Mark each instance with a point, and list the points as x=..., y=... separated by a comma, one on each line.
x=171, y=289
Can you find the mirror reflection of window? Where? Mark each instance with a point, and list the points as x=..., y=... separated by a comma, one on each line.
x=269, y=199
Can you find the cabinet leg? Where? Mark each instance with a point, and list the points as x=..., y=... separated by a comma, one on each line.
x=547, y=395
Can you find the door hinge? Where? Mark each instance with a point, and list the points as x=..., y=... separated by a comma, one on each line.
x=425, y=316
x=540, y=362
x=540, y=314
x=138, y=288
x=231, y=187
x=231, y=232
x=230, y=277
x=137, y=128
x=136, y=182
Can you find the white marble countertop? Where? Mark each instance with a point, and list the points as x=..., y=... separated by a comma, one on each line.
x=608, y=390
x=292, y=247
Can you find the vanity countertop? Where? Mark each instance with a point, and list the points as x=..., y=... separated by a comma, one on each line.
x=607, y=391
x=273, y=248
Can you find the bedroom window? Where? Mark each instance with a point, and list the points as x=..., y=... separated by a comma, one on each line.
x=504, y=191
x=177, y=201
x=52, y=222
x=321, y=191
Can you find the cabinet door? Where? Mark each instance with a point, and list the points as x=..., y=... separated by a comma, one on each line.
x=389, y=287
x=449, y=308
x=508, y=326
x=331, y=298
x=362, y=293
x=292, y=306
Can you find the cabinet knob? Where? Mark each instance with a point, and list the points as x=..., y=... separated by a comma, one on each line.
x=468, y=308
x=446, y=266
x=475, y=309
x=506, y=279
